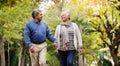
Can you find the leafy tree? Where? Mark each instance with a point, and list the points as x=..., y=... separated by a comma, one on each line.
x=106, y=23
x=12, y=22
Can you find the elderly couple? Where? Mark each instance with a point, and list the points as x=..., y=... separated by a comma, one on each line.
x=67, y=39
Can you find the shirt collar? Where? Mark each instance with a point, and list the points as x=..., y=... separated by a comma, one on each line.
x=36, y=21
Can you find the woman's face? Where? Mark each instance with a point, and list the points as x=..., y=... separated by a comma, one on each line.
x=65, y=18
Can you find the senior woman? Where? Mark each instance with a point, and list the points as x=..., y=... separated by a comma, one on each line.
x=69, y=40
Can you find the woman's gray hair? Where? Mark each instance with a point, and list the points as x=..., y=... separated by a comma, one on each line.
x=35, y=13
x=66, y=12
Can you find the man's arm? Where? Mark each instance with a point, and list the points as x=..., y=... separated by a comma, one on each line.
x=50, y=36
x=27, y=36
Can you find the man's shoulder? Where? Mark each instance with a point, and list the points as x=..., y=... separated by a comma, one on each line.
x=44, y=23
x=29, y=22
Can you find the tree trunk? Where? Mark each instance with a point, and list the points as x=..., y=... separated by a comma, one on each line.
x=2, y=54
x=8, y=55
x=114, y=56
x=99, y=64
x=82, y=60
x=22, y=56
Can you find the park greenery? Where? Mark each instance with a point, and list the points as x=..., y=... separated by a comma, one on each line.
x=99, y=22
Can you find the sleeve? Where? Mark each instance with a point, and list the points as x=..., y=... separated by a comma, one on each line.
x=27, y=36
x=79, y=37
x=50, y=36
x=56, y=33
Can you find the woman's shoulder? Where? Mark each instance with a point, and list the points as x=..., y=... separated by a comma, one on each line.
x=58, y=26
x=74, y=24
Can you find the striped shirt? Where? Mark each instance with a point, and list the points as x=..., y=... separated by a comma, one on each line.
x=70, y=44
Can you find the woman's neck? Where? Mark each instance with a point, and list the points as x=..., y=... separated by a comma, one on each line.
x=67, y=21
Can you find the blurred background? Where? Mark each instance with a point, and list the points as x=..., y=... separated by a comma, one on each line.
x=99, y=22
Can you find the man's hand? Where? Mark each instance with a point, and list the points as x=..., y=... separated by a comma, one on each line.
x=80, y=50
x=55, y=45
x=32, y=50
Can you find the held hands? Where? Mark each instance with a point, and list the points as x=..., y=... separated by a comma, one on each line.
x=55, y=45
x=32, y=49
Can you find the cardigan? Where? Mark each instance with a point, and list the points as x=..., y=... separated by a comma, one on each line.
x=77, y=36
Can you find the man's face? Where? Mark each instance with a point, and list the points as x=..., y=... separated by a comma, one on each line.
x=64, y=18
x=39, y=16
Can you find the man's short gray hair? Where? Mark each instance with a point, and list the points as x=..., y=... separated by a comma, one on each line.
x=66, y=12
x=35, y=13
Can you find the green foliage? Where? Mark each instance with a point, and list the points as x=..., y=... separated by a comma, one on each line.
x=105, y=62
x=52, y=55
x=106, y=24
x=119, y=60
x=88, y=44
x=14, y=55
x=14, y=14
x=52, y=60
x=12, y=22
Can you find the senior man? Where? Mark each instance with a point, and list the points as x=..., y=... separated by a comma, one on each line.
x=35, y=33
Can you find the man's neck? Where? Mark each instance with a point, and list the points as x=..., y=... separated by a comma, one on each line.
x=37, y=20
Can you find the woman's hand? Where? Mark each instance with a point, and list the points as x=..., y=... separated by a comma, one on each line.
x=80, y=50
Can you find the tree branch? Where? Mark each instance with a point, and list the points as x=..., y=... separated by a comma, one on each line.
x=59, y=4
